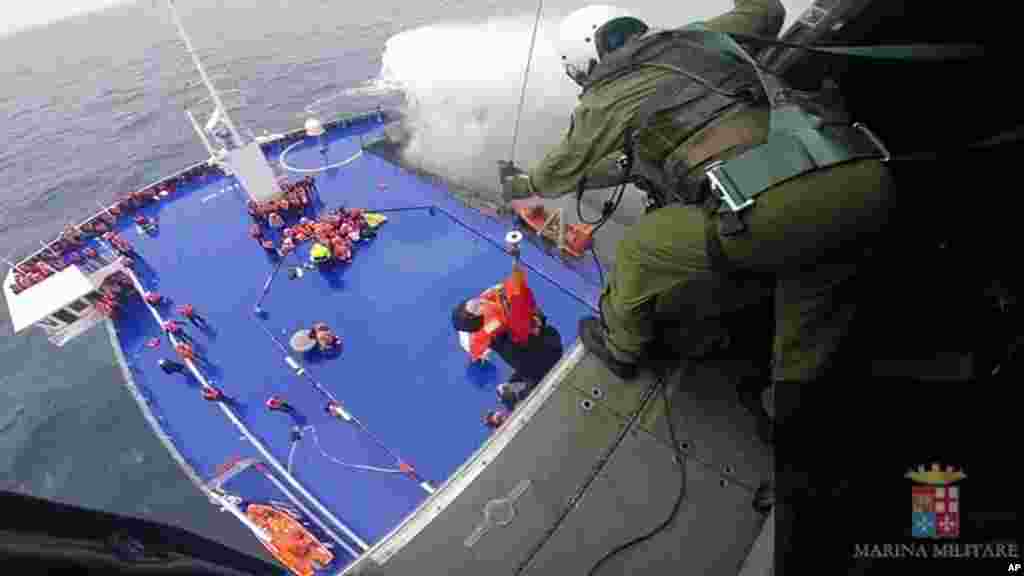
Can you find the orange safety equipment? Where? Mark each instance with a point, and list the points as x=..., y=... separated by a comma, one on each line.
x=520, y=305
x=492, y=309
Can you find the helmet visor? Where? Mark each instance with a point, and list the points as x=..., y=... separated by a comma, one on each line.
x=615, y=33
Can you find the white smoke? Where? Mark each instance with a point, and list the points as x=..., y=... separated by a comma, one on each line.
x=462, y=83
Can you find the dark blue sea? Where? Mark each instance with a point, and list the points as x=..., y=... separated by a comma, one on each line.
x=93, y=106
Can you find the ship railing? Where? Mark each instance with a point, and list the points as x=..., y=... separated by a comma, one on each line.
x=340, y=119
x=49, y=246
x=258, y=445
x=380, y=112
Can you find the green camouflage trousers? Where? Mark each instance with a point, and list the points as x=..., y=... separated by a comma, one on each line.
x=806, y=236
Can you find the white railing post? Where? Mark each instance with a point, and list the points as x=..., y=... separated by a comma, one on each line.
x=235, y=136
x=202, y=134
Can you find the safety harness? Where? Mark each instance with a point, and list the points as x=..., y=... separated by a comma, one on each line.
x=808, y=130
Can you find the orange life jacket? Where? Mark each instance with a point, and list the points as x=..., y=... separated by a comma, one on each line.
x=495, y=322
x=521, y=306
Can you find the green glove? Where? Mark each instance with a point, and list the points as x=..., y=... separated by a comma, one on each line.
x=515, y=183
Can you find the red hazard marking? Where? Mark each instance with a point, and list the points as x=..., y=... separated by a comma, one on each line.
x=406, y=469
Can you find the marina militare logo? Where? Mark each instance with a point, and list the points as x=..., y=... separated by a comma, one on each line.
x=936, y=502
x=936, y=516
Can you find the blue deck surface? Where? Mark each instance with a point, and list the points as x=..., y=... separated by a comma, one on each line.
x=401, y=371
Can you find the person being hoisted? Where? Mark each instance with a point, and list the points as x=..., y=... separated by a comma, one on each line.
x=505, y=318
x=686, y=116
x=476, y=337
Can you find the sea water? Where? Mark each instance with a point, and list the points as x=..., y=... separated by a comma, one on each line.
x=92, y=106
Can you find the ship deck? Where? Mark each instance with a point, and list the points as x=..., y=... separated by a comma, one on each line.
x=401, y=372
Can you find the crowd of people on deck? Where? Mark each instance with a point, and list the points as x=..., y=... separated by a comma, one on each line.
x=297, y=197
x=334, y=233
x=71, y=247
x=114, y=287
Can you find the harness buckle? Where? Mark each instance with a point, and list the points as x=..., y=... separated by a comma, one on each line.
x=886, y=156
x=724, y=187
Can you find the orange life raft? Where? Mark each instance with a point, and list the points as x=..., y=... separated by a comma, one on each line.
x=290, y=542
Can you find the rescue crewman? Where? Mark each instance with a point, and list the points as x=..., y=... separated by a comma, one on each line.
x=800, y=242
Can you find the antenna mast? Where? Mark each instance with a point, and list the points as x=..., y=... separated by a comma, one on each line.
x=235, y=136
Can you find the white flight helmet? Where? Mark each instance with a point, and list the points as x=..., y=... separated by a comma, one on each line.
x=589, y=33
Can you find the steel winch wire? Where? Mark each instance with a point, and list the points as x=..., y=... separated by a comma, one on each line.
x=526, y=76
x=522, y=95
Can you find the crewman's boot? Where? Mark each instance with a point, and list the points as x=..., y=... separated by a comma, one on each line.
x=594, y=338
x=764, y=498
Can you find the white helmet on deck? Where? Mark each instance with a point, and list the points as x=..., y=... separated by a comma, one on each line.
x=589, y=33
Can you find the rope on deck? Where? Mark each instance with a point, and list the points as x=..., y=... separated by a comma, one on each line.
x=259, y=445
x=316, y=440
x=323, y=452
x=303, y=371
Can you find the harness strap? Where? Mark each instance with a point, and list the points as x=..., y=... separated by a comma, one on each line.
x=785, y=155
x=797, y=143
x=805, y=133
x=899, y=52
x=732, y=130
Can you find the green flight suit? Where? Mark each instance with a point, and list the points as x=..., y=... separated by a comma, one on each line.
x=802, y=243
